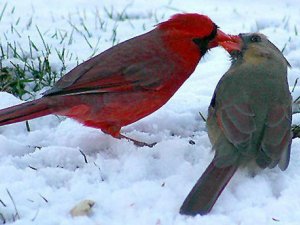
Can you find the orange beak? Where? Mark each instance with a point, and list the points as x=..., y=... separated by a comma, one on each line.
x=228, y=42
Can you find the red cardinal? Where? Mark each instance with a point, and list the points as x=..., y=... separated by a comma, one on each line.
x=128, y=81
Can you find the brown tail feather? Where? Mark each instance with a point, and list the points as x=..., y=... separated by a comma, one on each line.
x=24, y=111
x=207, y=190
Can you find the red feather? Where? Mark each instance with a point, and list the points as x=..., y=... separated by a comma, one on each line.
x=128, y=81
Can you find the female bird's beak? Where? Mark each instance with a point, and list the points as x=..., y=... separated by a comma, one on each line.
x=228, y=42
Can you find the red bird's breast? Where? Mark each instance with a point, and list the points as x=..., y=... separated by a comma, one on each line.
x=127, y=82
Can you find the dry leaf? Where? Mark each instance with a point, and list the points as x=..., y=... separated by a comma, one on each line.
x=83, y=208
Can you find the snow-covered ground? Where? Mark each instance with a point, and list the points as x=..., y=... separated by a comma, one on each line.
x=131, y=185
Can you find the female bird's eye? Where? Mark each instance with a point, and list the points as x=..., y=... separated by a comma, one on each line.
x=255, y=38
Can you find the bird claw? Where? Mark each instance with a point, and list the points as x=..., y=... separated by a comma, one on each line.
x=142, y=144
x=137, y=143
x=35, y=147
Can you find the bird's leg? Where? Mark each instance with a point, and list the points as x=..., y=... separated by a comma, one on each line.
x=137, y=143
x=114, y=131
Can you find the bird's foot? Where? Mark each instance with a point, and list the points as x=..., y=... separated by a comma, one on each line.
x=137, y=143
x=35, y=147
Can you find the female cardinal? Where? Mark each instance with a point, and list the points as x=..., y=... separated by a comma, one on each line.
x=128, y=81
x=249, y=119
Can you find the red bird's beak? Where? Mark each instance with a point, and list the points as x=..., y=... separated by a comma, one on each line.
x=234, y=43
x=228, y=42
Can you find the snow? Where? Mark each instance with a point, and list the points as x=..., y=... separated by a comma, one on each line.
x=131, y=185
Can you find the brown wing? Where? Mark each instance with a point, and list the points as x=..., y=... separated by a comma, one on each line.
x=277, y=138
x=140, y=62
x=237, y=125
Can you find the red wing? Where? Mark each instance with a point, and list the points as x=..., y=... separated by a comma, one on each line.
x=149, y=74
x=135, y=64
x=276, y=142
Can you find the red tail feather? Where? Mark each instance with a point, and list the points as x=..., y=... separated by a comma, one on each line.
x=24, y=111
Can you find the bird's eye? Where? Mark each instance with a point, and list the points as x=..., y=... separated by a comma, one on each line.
x=255, y=38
